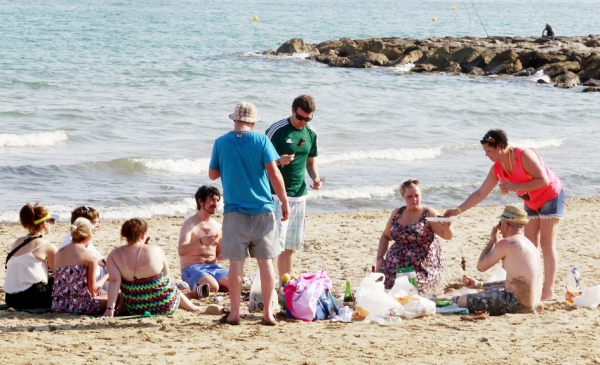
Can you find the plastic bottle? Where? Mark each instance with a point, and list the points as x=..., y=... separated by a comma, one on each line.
x=348, y=298
x=572, y=285
x=285, y=278
x=410, y=274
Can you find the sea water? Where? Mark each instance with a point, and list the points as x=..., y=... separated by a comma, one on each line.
x=116, y=104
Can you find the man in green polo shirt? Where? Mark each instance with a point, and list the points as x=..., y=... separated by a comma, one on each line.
x=296, y=143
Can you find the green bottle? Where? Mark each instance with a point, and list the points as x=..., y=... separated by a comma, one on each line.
x=348, y=298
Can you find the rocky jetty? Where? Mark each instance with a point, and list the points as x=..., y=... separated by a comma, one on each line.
x=567, y=62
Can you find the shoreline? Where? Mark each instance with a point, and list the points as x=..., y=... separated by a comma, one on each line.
x=345, y=245
x=566, y=61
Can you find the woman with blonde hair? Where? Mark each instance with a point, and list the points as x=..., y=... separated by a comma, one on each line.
x=76, y=289
x=27, y=284
x=142, y=272
x=416, y=242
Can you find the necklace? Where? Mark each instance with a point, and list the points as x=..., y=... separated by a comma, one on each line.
x=510, y=162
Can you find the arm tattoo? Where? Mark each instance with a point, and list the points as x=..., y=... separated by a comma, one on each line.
x=489, y=249
x=493, y=284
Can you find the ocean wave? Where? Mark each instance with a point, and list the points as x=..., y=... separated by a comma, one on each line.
x=533, y=143
x=383, y=191
x=538, y=76
x=32, y=139
x=181, y=166
x=180, y=207
x=403, y=154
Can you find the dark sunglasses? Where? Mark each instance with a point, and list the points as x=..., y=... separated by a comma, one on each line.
x=300, y=117
x=408, y=183
x=51, y=221
x=488, y=138
x=499, y=224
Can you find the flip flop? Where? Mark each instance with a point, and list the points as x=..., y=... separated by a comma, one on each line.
x=224, y=320
x=202, y=291
x=269, y=323
x=548, y=299
x=479, y=315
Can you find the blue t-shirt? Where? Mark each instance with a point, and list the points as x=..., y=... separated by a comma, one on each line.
x=240, y=157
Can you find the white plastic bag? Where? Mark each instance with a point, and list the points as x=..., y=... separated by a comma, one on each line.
x=590, y=298
x=498, y=275
x=256, y=298
x=374, y=303
x=418, y=306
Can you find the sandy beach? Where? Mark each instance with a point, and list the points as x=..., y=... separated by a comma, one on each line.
x=345, y=245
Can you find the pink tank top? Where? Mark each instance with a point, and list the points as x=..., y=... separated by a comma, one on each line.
x=519, y=175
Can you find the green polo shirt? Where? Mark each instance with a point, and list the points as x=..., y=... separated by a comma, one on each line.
x=285, y=138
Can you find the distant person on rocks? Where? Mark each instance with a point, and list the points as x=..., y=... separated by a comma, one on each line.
x=200, y=246
x=549, y=32
x=521, y=291
x=296, y=143
x=245, y=162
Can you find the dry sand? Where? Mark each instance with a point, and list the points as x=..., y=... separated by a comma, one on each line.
x=345, y=245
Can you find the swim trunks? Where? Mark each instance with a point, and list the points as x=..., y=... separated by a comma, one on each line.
x=191, y=274
x=496, y=302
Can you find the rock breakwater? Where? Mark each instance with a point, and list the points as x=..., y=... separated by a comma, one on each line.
x=567, y=62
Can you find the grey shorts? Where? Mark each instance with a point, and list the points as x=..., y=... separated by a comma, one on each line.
x=253, y=235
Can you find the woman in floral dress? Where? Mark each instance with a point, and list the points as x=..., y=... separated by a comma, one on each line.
x=76, y=289
x=416, y=242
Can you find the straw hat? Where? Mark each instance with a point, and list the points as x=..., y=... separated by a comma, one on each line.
x=514, y=214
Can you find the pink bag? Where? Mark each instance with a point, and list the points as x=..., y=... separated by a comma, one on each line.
x=302, y=294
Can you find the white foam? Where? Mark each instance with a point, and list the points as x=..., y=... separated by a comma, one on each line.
x=181, y=166
x=32, y=139
x=302, y=55
x=404, y=154
x=180, y=207
x=540, y=144
x=539, y=76
x=537, y=144
x=406, y=67
x=360, y=192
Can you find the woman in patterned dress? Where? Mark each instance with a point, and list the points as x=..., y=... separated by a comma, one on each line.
x=76, y=289
x=142, y=272
x=416, y=242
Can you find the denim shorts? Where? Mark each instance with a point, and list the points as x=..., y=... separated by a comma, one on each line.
x=191, y=274
x=553, y=208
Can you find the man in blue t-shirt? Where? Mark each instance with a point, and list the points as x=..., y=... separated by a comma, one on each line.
x=245, y=162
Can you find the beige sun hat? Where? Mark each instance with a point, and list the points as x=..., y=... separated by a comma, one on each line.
x=246, y=112
x=514, y=214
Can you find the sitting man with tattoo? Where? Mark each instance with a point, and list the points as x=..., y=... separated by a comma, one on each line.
x=521, y=291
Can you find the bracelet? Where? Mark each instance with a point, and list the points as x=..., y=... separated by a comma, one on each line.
x=110, y=309
x=379, y=257
x=279, y=163
x=459, y=211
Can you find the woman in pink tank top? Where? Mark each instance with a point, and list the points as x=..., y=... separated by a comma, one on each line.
x=522, y=171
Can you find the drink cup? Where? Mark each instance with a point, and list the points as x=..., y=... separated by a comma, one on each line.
x=503, y=191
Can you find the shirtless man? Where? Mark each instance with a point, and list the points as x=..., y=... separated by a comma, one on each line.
x=200, y=247
x=522, y=289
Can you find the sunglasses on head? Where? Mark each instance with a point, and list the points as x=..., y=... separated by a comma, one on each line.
x=300, y=117
x=488, y=138
x=410, y=182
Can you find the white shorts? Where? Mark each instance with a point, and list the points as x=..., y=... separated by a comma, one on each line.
x=291, y=232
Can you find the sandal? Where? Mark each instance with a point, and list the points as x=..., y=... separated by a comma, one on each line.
x=224, y=320
x=202, y=291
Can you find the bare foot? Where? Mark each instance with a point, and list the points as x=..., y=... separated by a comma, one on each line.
x=479, y=315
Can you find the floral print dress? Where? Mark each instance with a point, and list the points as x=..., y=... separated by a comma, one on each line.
x=71, y=294
x=415, y=245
